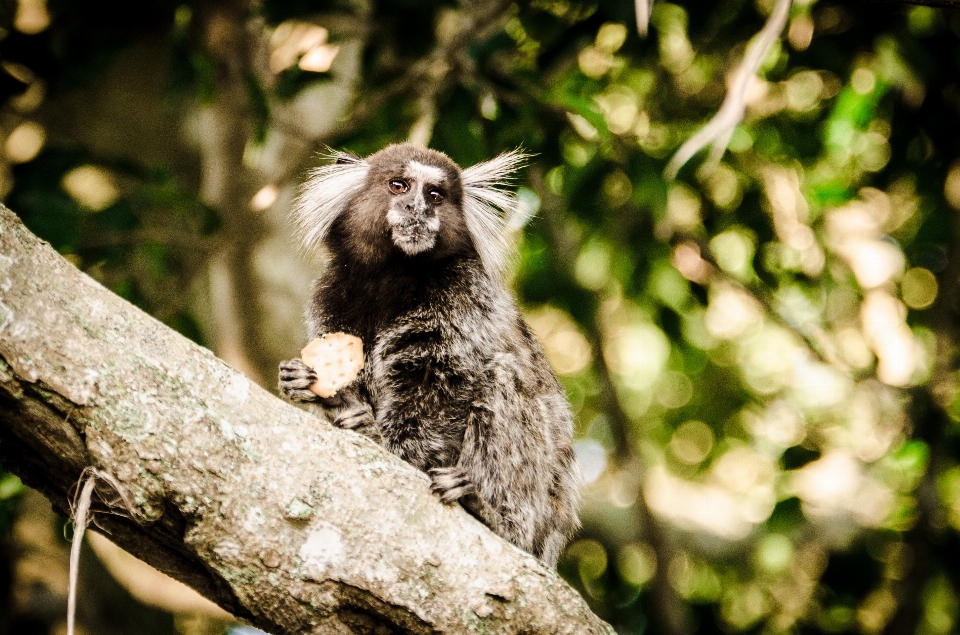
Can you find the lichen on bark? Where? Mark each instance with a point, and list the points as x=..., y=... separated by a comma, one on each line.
x=285, y=521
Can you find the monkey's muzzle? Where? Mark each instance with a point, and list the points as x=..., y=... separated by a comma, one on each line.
x=414, y=232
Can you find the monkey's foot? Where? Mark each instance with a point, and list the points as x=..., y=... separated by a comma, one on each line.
x=453, y=485
x=450, y=483
x=295, y=380
x=359, y=418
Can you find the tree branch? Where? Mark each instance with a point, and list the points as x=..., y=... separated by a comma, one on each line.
x=718, y=130
x=286, y=522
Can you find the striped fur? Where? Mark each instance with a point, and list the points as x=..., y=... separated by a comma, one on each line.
x=454, y=382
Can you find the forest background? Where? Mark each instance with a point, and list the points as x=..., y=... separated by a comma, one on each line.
x=760, y=353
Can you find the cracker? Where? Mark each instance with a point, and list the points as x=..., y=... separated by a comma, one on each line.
x=336, y=358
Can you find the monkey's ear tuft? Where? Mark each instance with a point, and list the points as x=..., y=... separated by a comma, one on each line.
x=326, y=194
x=487, y=205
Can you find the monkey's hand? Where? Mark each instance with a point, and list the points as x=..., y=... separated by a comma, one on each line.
x=295, y=380
x=453, y=484
x=450, y=483
x=358, y=416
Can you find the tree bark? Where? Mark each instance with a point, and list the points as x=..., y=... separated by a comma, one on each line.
x=281, y=519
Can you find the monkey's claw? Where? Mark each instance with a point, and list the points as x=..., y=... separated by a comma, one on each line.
x=450, y=483
x=295, y=380
x=355, y=418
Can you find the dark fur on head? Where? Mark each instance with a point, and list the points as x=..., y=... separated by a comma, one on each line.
x=453, y=382
x=370, y=235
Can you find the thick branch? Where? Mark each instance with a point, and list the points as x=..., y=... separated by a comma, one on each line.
x=276, y=516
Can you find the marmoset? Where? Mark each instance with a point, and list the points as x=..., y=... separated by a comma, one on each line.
x=453, y=381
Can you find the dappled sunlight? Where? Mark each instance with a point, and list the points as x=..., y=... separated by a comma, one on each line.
x=898, y=352
x=636, y=563
x=708, y=508
x=919, y=288
x=818, y=387
x=876, y=421
x=735, y=495
x=636, y=352
x=32, y=16
x=809, y=317
x=778, y=426
x=566, y=347
x=264, y=198
x=835, y=489
x=791, y=217
x=951, y=186
x=731, y=311
x=301, y=43
x=683, y=213
x=91, y=186
x=691, y=442
x=24, y=142
x=767, y=357
x=733, y=250
x=620, y=109
x=592, y=267
x=688, y=261
x=855, y=233
x=676, y=52
x=596, y=60
x=592, y=459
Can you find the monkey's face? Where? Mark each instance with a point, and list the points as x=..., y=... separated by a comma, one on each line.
x=408, y=205
x=418, y=198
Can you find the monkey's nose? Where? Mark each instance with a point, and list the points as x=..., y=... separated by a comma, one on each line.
x=417, y=207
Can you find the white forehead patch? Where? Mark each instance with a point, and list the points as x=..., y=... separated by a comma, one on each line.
x=424, y=173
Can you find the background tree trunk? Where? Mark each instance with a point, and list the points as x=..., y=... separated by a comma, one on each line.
x=281, y=519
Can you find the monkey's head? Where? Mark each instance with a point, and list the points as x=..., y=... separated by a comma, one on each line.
x=411, y=201
x=418, y=193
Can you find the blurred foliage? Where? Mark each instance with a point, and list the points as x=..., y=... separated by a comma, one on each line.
x=10, y=490
x=761, y=354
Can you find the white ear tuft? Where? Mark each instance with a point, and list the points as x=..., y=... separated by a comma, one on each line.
x=325, y=195
x=486, y=205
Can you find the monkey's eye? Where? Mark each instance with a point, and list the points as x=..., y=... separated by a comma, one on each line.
x=435, y=195
x=398, y=187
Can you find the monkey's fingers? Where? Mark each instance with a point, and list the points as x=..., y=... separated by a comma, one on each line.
x=300, y=395
x=295, y=382
x=295, y=379
x=450, y=483
x=452, y=496
x=295, y=371
x=356, y=417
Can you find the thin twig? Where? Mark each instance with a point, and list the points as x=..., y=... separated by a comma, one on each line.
x=81, y=507
x=80, y=510
x=644, y=9
x=734, y=105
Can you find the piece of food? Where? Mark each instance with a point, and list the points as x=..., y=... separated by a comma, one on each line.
x=337, y=358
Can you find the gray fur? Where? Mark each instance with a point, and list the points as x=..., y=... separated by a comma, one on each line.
x=453, y=382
